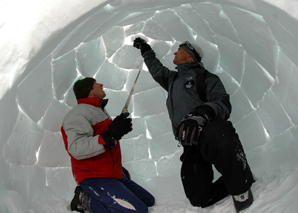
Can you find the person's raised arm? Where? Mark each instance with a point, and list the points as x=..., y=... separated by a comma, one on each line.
x=160, y=73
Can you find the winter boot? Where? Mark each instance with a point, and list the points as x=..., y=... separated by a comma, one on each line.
x=77, y=203
x=243, y=201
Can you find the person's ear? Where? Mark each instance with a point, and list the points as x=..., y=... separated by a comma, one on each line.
x=190, y=58
x=90, y=93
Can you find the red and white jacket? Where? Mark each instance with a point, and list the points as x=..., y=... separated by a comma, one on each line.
x=81, y=132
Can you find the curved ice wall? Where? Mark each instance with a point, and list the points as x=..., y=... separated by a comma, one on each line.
x=251, y=45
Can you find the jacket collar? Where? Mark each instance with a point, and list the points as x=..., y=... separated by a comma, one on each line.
x=183, y=68
x=97, y=102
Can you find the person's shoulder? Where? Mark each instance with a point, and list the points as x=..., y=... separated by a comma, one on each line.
x=206, y=74
x=77, y=113
x=76, y=110
x=199, y=69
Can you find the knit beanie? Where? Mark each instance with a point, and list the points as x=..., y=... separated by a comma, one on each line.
x=195, y=51
x=83, y=87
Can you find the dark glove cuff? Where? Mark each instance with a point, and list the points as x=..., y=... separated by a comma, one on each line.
x=145, y=48
x=205, y=111
x=110, y=141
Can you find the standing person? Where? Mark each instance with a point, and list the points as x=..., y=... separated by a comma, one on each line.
x=199, y=107
x=91, y=139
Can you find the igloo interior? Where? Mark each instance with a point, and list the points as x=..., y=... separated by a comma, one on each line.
x=47, y=45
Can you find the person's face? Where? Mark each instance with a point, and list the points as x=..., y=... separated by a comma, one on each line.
x=181, y=56
x=97, y=91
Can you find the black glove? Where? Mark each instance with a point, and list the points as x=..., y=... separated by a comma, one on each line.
x=126, y=173
x=190, y=127
x=120, y=126
x=141, y=44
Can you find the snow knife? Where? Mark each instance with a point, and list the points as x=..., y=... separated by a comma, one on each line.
x=125, y=108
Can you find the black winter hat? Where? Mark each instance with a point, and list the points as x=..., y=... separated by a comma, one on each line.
x=82, y=87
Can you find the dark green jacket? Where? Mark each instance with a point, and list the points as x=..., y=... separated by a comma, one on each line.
x=188, y=88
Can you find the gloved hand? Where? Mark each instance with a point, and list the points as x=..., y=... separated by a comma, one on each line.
x=126, y=173
x=190, y=127
x=141, y=44
x=120, y=126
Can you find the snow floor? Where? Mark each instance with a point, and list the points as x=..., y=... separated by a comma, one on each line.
x=274, y=192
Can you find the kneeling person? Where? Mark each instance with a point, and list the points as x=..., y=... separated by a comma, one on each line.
x=91, y=139
x=199, y=108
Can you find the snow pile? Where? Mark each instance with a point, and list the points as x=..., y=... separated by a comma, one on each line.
x=252, y=45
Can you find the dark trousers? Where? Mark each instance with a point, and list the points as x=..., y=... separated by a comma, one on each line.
x=219, y=145
x=112, y=195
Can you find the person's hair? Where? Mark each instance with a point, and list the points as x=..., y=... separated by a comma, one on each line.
x=82, y=87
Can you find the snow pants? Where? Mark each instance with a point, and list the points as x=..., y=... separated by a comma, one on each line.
x=219, y=146
x=113, y=195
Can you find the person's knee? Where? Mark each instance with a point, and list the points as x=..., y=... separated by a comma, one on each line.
x=150, y=201
x=195, y=202
x=198, y=201
x=145, y=210
x=200, y=197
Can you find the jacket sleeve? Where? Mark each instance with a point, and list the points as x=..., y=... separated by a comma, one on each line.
x=160, y=73
x=81, y=141
x=216, y=94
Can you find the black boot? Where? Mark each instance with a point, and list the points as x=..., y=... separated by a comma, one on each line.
x=243, y=201
x=77, y=203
